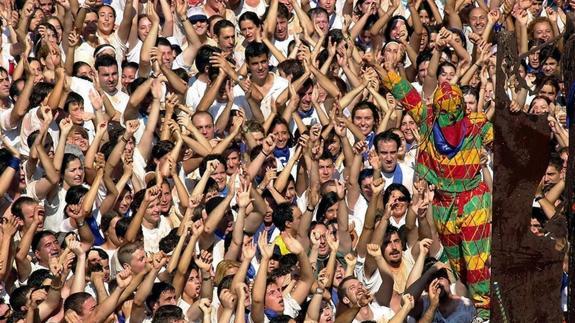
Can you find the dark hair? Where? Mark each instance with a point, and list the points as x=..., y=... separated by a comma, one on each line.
x=225, y=283
x=137, y=200
x=106, y=219
x=443, y=65
x=76, y=67
x=161, y=41
x=365, y=173
x=16, y=208
x=66, y=160
x=255, y=49
x=105, y=5
x=39, y=92
x=364, y=105
x=128, y=64
x=392, y=23
x=316, y=12
x=75, y=301
x=38, y=277
x=105, y=61
x=251, y=16
x=221, y=25
x=281, y=121
x=292, y=67
x=162, y=148
x=122, y=227
x=169, y=242
x=341, y=289
x=282, y=213
x=327, y=201
x=157, y=290
x=387, y=135
x=204, y=163
x=75, y=194
x=424, y=56
x=283, y=318
x=168, y=313
x=283, y=11
x=19, y=297
x=467, y=89
x=38, y=236
x=396, y=187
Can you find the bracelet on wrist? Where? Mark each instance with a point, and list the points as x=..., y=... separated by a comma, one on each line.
x=263, y=152
x=80, y=224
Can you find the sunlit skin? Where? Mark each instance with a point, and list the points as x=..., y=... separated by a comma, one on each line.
x=470, y=103
x=549, y=92
x=227, y=40
x=249, y=30
x=364, y=120
x=539, y=106
x=478, y=20
x=392, y=251
x=144, y=26
x=407, y=123
x=281, y=134
x=447, y=74
x=73, y=174
x=106, y=20
x=542, y=31
x=387, y=152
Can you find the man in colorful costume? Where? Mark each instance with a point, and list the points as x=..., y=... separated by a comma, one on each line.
x=449, y=158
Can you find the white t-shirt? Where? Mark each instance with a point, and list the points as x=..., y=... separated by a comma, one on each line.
x=152, y=237
x=379, y=312
x=407, y=177
x=278, y=86
x=195, y=93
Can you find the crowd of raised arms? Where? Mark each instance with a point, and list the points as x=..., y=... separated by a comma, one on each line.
x=262, y=160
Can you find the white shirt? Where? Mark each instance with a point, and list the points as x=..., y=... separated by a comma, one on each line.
x=152, y=237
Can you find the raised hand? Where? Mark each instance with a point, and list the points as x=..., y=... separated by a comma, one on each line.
x=204, y=260
x=424, y=246
x=228, y=299
x=266, y=249
x=350, y=259
x=292, y=244
x=408, y=301
x=434, y=292
x=374, y=250
x=249, y=251
x=10, y=225
x=374, y=160
x=124, y=278
x=244, y=195
x=76, y=247
x=269, y=144
x=198, y=228
x=205, y=305
x=377, y=186
x=332, y=242
x=132, y=126
x=152, y=193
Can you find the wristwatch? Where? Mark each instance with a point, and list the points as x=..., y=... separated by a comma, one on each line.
x=319, y=290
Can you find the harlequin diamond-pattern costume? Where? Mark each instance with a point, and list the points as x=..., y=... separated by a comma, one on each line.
x=449, y=158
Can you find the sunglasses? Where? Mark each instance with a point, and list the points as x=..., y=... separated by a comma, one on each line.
x=196, y=20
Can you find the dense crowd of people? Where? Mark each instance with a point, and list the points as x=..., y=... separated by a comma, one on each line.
x=262, y=160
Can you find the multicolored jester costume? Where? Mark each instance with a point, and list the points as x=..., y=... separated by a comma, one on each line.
x=449, y=158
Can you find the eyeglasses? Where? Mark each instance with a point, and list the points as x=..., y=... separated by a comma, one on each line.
x=196, y=20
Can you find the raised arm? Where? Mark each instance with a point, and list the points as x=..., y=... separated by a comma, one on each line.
x=152, y=193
